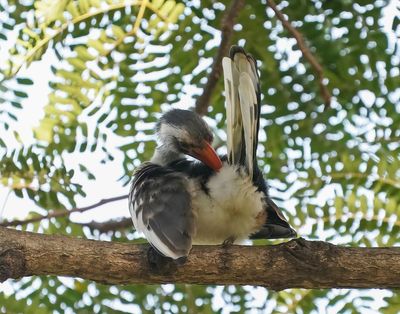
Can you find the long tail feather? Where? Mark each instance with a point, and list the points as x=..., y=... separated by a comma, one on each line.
x=242, y=94
x=233, y=114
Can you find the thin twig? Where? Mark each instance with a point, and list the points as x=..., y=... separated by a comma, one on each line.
x=228, y=21
x=3, y=208
x=139, y=16
x=383, y=140
x=62, y=213
x=325, y=93
x=110, y=225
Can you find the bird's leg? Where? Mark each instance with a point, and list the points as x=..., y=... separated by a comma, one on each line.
x=181, y=260
x=159, y=263
x=229, y=241
x=225, y=258
x=162, y=264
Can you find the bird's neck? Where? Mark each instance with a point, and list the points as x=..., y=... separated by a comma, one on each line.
x=164, y=155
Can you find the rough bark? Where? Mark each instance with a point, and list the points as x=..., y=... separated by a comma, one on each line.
x=295, y=264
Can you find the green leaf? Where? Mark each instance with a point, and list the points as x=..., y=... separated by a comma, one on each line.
x=25, y=81
x=396, y=22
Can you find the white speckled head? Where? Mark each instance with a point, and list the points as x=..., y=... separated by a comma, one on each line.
x=184, y=132
x=183, y=129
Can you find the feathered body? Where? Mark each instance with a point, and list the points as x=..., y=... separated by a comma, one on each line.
x=178, y=202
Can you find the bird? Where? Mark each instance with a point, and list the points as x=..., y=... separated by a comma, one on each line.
x=177, y=201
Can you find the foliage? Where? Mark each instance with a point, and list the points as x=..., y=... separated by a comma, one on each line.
x=121, y=62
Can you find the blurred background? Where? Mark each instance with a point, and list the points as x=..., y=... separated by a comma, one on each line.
x=83, y=82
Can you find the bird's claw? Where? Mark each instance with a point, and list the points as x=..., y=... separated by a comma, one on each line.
x=228, y=241
x=162, y=264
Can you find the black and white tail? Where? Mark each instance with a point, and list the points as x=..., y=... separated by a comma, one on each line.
x=243, y=103
x=242, y=93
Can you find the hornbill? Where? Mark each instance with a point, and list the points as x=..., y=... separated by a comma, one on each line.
x=177, y=202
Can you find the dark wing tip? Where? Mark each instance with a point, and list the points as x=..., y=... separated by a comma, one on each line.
x=236, y=49
x=276, y=225
x=272, y=231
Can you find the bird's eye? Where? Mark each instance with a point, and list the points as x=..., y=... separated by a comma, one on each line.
x=184, y=146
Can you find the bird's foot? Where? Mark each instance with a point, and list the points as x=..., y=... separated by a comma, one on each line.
x=228, y=241
x=181, y=260
x=162, y=264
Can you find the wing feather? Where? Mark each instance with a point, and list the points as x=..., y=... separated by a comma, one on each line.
x=160, y=207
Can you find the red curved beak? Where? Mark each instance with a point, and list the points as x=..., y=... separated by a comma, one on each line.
x=208, y=156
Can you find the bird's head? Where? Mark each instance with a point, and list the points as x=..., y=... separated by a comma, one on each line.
x=184, y=131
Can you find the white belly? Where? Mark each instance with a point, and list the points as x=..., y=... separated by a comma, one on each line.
x=233, y=208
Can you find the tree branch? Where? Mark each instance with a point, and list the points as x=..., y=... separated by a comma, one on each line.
x=325, y=93
x=62, y=213
x=295, y=264
x=110, y=225
x=228, y=21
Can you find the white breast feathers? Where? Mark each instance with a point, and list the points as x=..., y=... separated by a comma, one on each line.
x=233, y=208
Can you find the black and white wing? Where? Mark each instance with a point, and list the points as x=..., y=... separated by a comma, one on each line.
x=160, y=207
x=242, y=93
